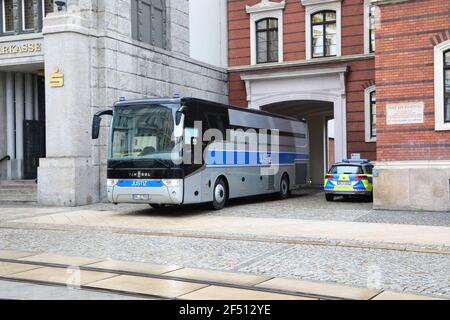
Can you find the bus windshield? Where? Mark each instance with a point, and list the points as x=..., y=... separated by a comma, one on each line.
x=143, y=132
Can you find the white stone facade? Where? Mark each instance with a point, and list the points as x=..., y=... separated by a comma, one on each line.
x=90, y=43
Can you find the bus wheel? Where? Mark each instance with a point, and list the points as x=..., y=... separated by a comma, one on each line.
x=284, y=187
x=220, y=195
x=157, y=206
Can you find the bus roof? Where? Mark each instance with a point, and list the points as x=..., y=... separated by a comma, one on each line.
x=187, y=100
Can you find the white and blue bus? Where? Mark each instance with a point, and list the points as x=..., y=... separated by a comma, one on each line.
x=177, y=151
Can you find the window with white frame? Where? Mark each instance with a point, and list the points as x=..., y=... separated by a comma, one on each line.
x=267, y=40
x=27, y=14
x=371, y=114
x=7, y=16
x=442, y=85
x=323, y=29
x=369, y=27
x=47, y=7
x=324, y=36
x=266, y=31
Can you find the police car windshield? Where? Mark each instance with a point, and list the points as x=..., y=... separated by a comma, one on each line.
x=346, y=169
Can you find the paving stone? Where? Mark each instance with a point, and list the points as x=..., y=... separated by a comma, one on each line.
x=388, y=295
x=326, y=289
x=7, y=268
x=14, y=254
x=148, y=286
x=59, y=259
x=218, y=276
x=224, y=293
x=70, y=277
x=137, y=267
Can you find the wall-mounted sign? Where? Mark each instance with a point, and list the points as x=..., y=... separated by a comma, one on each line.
x=405, y=113
x=56, y=79
x=13, y=49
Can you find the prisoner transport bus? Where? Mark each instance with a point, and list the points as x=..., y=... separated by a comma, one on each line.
x=178, y=151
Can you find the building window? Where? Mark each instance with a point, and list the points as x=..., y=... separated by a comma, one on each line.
x=372, y=29
x=447, y=86
x=7, y=16
x=370, y=16
x=266, y=31
x=27, y=14
x=148, y=19
x=47, y=7
x=324, y=35
x=267, y=40
x=371, y=114
x=442, y=86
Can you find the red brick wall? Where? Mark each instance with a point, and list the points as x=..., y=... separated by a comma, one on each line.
x=405, y=73
x=361, y=72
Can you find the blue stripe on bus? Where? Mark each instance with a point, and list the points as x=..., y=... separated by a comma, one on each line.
x=243, y=158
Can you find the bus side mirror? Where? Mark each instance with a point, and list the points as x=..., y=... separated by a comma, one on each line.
x=97, y=120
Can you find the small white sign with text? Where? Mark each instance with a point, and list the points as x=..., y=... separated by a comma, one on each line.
x=405, y=113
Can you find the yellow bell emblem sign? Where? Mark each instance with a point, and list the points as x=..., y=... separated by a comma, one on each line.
x=56, y=79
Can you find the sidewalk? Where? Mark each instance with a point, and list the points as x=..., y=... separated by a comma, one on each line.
x=256, y=227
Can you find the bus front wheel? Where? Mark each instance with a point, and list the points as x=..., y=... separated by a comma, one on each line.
x=220, y=195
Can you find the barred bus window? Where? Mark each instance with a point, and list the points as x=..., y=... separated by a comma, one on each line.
x=48, y=7
x=148, y=22
x=447, y=86
x=7, y=15
x=28, y=14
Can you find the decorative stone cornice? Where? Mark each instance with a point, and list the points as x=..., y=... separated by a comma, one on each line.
x=312, y=2
x=382, y=2
x=266, y=5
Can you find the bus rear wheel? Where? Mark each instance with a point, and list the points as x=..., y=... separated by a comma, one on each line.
x=284, y=187
x=220, y=195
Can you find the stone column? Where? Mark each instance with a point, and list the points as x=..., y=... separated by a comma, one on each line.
x=10, y=122
x=67, y=177
x=3, y=147
x=29, y=101
x=20, y=116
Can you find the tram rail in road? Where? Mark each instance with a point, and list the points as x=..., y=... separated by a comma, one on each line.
x=169, y=282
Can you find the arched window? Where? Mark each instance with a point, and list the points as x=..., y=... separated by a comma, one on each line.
x=447, y=86
x=324, y=34
x=267, y=40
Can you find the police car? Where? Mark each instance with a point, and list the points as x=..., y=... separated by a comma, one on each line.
x=350, y=178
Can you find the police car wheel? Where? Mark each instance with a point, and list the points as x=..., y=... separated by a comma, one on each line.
x=157, y=206
x=329, y=197
x=284, y=187
x=220, y=195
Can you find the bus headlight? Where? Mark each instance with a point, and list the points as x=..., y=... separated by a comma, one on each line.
x=112, y=182
x=171, y=183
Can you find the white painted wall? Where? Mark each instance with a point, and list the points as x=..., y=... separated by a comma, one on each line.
x=208, y=31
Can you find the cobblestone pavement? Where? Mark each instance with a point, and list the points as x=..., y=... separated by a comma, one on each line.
x=415, y=272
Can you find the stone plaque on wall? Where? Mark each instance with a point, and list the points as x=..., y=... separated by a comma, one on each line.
x=405, y=113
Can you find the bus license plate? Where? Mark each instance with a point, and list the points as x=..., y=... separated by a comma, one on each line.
x=141, y=197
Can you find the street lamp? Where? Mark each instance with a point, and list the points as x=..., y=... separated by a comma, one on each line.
x=60, y=5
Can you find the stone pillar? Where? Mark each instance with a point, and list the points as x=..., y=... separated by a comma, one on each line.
x=3, y=147
x=29, y=101
x=67, y=177
x=20, y=116
x=36, y=97
x=10, y=122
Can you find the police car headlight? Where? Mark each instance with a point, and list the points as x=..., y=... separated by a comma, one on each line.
x=171, y=183
x=112, y=182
